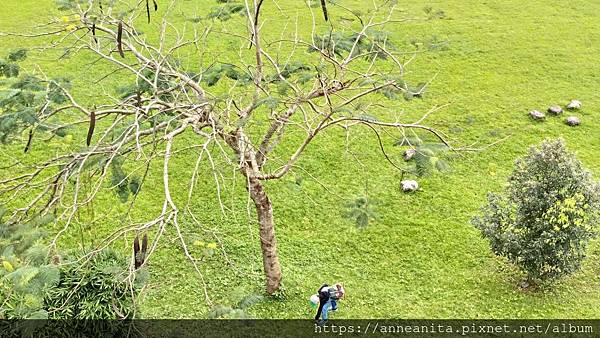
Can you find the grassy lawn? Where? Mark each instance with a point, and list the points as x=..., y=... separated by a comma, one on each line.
x=493, y=61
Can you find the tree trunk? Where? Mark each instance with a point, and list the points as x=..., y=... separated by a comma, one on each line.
x=268, y=243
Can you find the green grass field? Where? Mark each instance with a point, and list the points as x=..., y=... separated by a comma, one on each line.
x=421, y=258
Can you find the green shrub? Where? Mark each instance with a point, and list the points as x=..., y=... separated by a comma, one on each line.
x=33, y=287
x=546, y=216
x=97, y=290
x=25, y=272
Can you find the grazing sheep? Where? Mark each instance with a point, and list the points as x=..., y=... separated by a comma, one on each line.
x=574, y=104
x=408, y=154
x=537, y=115
x=573, y=121
x=409, y=185
x=555, y=110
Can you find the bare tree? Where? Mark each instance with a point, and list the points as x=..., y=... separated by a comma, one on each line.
x=334, y=78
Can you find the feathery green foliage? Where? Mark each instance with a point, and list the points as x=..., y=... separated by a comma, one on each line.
x=239, y=311
x=368, y=45
x=216, y=72
x=123, y=184
x=26, y=274
x=33, y=286
x=360, y=211
x=430, y=156
x=24, y=96
x=97, y=290
x=226, y=11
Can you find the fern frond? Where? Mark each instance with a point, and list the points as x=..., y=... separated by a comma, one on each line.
x=219, y=311
x=249, y=301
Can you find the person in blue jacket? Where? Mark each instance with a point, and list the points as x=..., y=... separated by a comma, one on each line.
x=328, y=299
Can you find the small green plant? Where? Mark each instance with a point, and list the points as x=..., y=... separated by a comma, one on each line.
x=239, y=311
x=371, y=45
x=360, y=211
x=226, y=11
x=123, y=185
x=212, y=75
x=546, y=216
x=434, y=14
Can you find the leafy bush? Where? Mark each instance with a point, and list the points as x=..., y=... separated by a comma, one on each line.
x=546, y=216
x=32, y=286
x=25, y=274
x=97, y=290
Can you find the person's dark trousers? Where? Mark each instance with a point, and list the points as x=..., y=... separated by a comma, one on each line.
x=323, y=298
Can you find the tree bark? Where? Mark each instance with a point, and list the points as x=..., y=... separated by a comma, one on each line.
x=268, y=242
